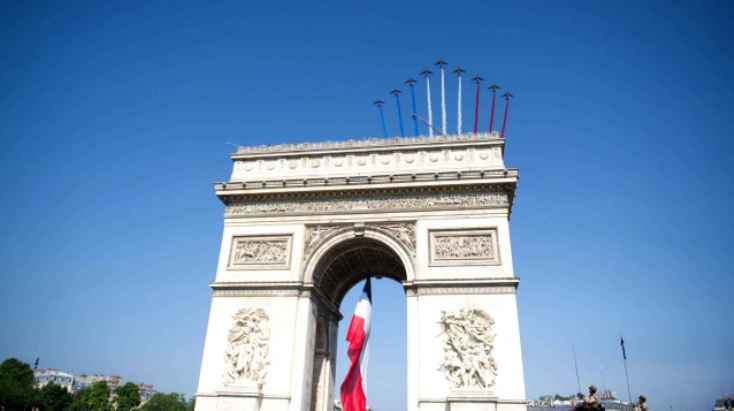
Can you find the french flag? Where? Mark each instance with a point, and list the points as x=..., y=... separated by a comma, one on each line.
x=353, y=388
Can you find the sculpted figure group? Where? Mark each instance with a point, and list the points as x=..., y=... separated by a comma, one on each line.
x=246, y=358
x=468, y=360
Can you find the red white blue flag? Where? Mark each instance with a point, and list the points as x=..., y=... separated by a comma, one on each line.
x=353, y=392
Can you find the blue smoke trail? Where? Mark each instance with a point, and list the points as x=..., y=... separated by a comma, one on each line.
x=382, y=120
x=396, y=93
x=415, y=118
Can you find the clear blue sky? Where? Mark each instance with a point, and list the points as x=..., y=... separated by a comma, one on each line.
x=116, y=119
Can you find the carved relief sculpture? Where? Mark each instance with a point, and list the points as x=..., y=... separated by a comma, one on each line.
x=246, y=357
x=404, y=232
x=369, y=202
x=316, y=234
x=468, y=362
x=464, y=247
x=250, y=252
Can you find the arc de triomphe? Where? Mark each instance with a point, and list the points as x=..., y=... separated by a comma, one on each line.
x=303, y=223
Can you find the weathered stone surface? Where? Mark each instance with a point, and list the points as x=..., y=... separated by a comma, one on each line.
x=304, y=223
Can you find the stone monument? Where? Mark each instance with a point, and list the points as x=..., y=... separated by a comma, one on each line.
x=303, y=223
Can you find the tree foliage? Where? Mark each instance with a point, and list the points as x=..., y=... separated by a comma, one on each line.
x=128, y=397
x=166, y=402
x=16, y=385
x=96, y=397
x=18, y=393
x=53, y=397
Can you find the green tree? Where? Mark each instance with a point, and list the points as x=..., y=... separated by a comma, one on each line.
x=166, y=402
x=96, y=397
x=53, y=397
x=128, y=397
x=16, y=385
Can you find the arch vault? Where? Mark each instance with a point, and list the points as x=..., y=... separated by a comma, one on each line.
x=305, y=222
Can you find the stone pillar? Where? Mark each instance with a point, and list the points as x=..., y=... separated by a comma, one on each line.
x=240, y=398
x=470, y=400
x=413, y=349
x=302, y=366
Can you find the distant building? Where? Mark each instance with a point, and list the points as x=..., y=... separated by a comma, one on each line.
x=50, y=375
x=146, y=392
x=561, y=403
x=75, y=382
x=82, y=381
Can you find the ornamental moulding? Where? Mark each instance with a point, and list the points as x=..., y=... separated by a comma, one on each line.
x=449, y=198
x=366, y=143
x=433, y=290
x=417, y=163
x=256, y=293
x=401, y=231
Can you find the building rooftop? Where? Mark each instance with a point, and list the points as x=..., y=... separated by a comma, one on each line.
x=367, y=143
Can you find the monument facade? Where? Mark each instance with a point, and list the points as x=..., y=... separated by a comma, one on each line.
x=303, y=223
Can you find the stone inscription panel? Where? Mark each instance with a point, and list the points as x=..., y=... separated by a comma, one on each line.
x=463, y=247
x=272, y=252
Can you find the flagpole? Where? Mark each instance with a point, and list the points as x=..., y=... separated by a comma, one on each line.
x=576, y=367
x=626, y=373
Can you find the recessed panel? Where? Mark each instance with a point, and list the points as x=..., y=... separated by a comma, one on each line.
x=272, y=252
x=464, y=247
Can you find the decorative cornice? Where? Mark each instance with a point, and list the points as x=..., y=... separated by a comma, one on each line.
x=255, y=292
x=498, y=289
x=225, y=394
x=496, y=176
x=371, y=143
x=258, y=289
x=371, y=201
x=464, y=287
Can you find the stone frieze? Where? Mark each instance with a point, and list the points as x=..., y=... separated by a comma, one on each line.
x=253, y=252
x=367, y=201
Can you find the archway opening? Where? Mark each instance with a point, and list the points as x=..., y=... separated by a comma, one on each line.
x=353, y=260
x=339, y=276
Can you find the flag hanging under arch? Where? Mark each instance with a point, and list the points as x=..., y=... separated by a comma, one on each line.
x=352, y=390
